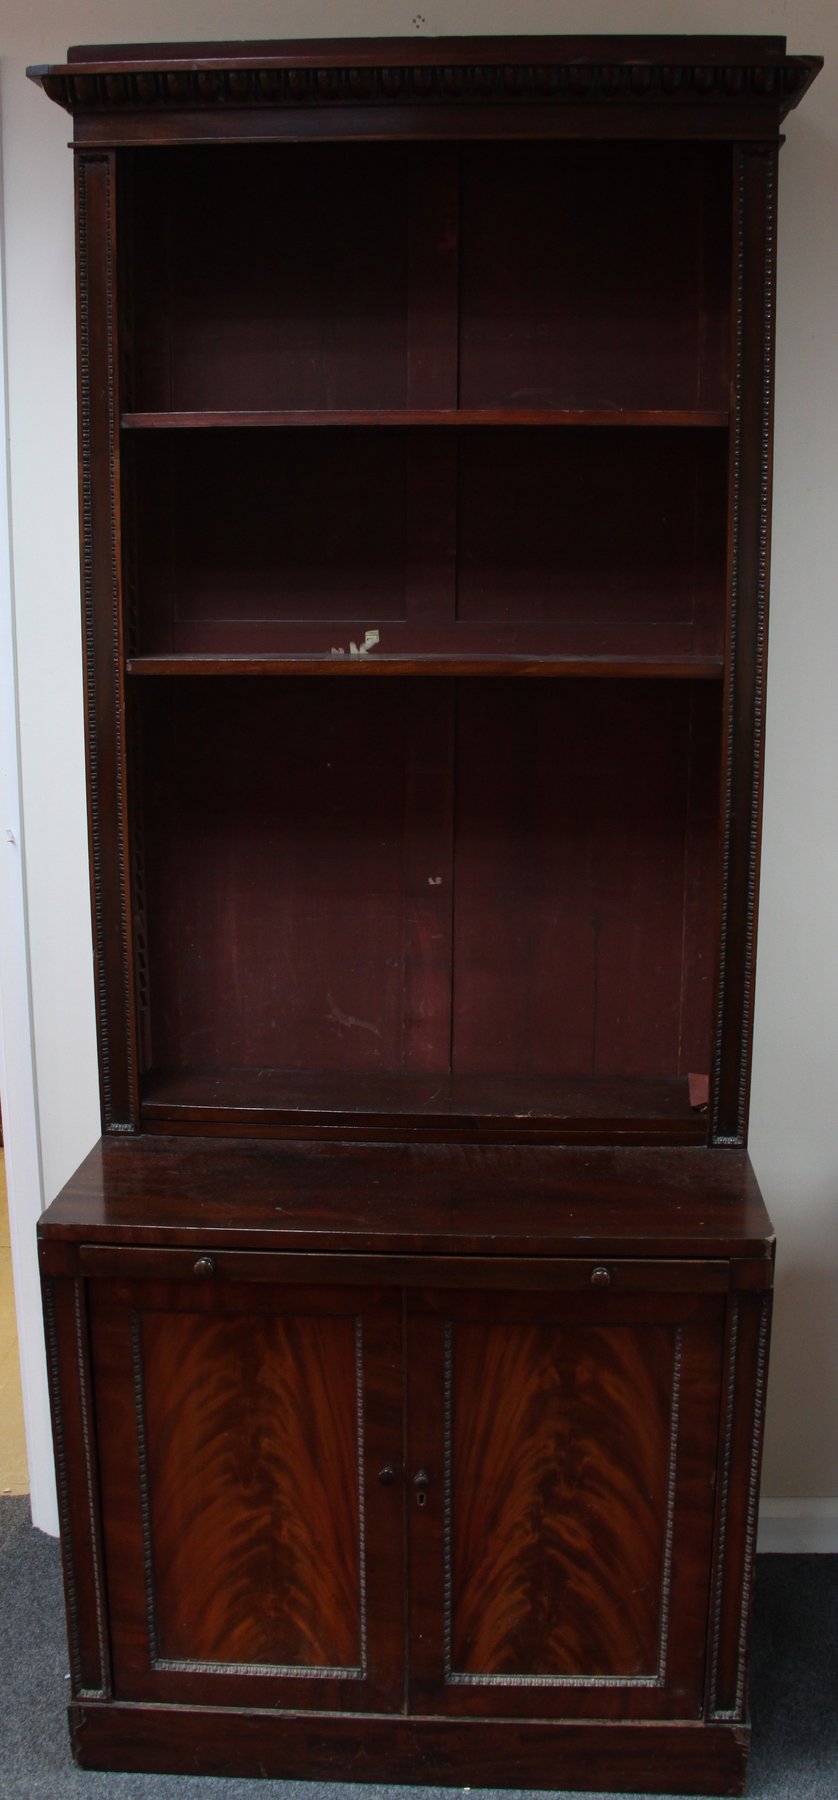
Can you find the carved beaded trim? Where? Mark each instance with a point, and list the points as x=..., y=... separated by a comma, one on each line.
x=753, y=1501
x=459, y=1678
x=734, y=603
x=89, y=636
x=63, y=1489
x=362, y=1516
x=669, y=83
x=761, y=625
x=448, y=1478
x=740, y=1135
x=669, y=1533
x=145, y=1500
x=81, y=1353
x=737, y=1711
x=113, y=434
x=90, y=639
x=723, y=1501
x=62, y=1483
x=295, y=1671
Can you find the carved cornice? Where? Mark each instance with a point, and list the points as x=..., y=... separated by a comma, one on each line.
x=212, y=82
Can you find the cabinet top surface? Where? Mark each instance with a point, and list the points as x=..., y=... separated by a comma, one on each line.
x=730, y=70
x=439, y=1199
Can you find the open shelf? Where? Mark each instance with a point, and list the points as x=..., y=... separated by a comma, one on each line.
x=460, y=663
x=613, y=260
x=461, y=901
x=447, y=418
x=520, y=545
x=267, y=1100
x=589, y=279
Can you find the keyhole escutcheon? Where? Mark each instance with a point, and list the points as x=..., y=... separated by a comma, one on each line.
x=421, y=1483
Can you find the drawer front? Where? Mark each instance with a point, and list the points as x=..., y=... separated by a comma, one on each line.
x=204, y=1265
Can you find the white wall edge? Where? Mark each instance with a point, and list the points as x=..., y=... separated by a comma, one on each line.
x=18, y=1091
x=798, y=1527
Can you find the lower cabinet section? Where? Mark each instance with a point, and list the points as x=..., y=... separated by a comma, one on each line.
x=378, y=1506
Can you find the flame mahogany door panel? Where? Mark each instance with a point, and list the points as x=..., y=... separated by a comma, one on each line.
x=253, y=1555
x=560, y=1532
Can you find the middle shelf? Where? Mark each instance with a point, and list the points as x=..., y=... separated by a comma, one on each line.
x=540, y=551
x=456, y=662
x=445, y=417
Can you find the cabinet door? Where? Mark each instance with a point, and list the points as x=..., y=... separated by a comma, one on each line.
x=253, y=1556
x=561, y=1495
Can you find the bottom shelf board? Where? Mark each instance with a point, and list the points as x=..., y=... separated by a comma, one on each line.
x=451, y=657
x=289, y=1102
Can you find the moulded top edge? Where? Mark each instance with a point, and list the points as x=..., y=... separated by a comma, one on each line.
x=520, y=47
x=111, y=78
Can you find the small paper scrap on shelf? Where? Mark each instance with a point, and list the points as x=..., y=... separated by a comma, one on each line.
x=371, y=638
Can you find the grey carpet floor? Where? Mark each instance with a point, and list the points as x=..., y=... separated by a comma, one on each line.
x=794, y=1690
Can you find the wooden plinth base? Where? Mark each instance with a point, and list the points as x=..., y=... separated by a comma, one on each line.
x=673, y=1758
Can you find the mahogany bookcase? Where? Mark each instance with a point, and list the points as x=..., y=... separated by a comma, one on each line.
x=408, y=1326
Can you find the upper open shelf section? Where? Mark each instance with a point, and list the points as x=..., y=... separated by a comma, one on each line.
x=478, y=281
x=497, y=442
x=440, y=357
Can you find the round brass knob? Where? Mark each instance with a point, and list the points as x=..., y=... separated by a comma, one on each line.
x=601, y=1278
x=387, y=1476
x=204, y=1267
